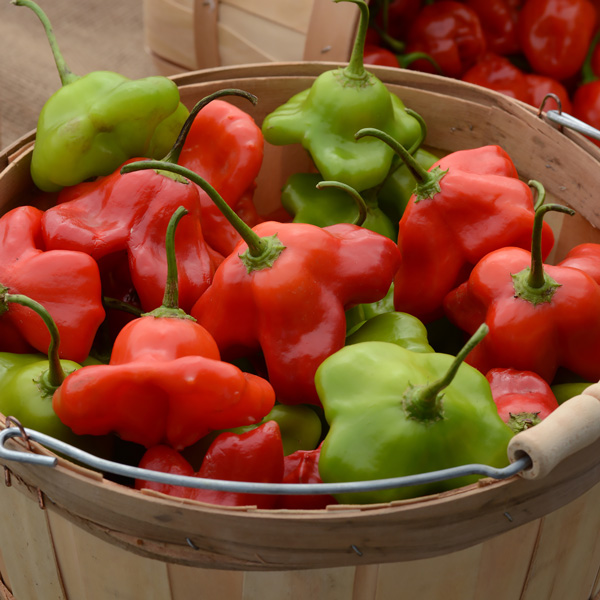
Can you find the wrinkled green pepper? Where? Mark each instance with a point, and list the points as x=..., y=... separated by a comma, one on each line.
x=566, y=391
x=94, y=123
x=397, y=328
x=393, y=412
x=325, y=117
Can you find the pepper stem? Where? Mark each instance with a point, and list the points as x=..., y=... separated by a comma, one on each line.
x=358, y=199
x=424, y=402
x=428, y=182
x=65, y=74
x=356, y=68
x=262, y=251
x=532, y=283
x=587, y=72
x=173, y=155
x=55, y=375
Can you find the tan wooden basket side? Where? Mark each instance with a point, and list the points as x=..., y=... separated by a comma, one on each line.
x=198, y=34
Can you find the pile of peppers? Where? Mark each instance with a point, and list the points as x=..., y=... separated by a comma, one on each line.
x=525, y=49
x=398, y=319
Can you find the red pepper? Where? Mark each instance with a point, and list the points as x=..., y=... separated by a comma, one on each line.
x=376, y=55
x=255, y=456
x=540, y=317
x=586, y=99
x=469, y=203
x=498, y=20
x=585, y=257
x=302, y=466
x=395, y=17
x=450, y=32
x=165, y=382
x=523, y=398
x=225, y=146
x=66, y=283
x=497, y=73
x=555, y=35
x=540, y=86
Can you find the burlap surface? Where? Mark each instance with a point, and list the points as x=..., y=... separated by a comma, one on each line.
x=92, y=35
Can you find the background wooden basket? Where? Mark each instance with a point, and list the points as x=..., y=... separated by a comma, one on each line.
x=186, y=35
x=516, y=539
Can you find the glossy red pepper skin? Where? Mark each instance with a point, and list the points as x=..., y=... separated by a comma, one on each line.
x=555, y=35
x=563, y=332
x=66, y=283
x=499, y=20
x=585, y=257
x=586, y=105
x=130, y=213
x=376, y=55
x=482, y=206
x=293, y=312
x=303, y=467
x=255, y=456
x=497, y=73
x=540, y=86
x=450, y=32
x=400, y=17
x=521, y=392
x=149, y=392
x=225, y=146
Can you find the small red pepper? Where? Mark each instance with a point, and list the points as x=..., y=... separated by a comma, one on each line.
x=585, y=257
x=523, y=398
x=450, y=32
x=586, y=99
x=555, y=35
x=497, y=73
x=376, y=55
x=66, y=283
x=254, y=456
x=540, y=86
x=498, y=20
x=165, y=382
x=540, y=317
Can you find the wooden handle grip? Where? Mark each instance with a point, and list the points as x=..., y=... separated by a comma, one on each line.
x=574, y=425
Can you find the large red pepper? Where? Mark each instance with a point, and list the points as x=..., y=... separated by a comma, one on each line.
x=540, y=86
x=165, y=382
x=284, y=291
x=254, y=456
x=586, y=99
x=523, y=398
x=450, y=32
x=467, y=204
x=541, y=317
x=66, y=283
x=225, y=146
x=555, y=34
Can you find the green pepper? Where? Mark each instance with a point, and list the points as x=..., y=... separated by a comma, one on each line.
x=393, y=412
x=309, y=199
x=360, y=313
x=566, y=391
x=325, y=117
x=94, y=123
x=393, y=327
x=28, y=382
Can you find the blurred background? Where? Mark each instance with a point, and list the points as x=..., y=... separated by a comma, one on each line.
x=92, y=35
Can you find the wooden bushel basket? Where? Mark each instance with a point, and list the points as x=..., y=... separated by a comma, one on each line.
x=187, y=35
x=68, y=534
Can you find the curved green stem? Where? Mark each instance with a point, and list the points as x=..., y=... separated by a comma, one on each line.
x=120, y=305
x=55, y=375
x=428, y=182
x=423, y=403
x=541, y=193
x=355, y=68
x=537, y=279
x=405, y=60
x=358, y=199
x=173, y=155
x=66, y=75
x=587, y=73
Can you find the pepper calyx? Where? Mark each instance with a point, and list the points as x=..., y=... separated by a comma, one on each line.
x=271, y=248
x=416, y=409
x=427, y=189
x=525, y=420
x=533, y=295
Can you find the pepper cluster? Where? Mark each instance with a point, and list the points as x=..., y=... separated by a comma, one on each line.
x=525, y=49
x=377, y=331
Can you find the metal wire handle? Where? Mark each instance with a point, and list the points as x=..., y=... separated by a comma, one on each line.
x=564, y=119
x=244, y=487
